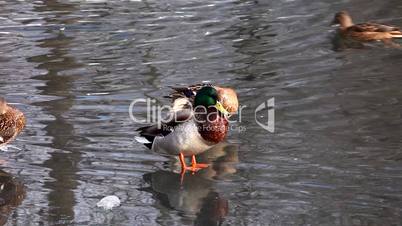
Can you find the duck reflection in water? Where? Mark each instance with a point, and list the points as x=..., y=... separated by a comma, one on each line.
x=196, y=195
x=12, y=192
x=340, y=43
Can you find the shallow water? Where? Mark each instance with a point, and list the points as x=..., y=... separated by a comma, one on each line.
x=74, y=67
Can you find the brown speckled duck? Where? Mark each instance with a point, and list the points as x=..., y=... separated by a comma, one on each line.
x=365, y=32
x=12, y=121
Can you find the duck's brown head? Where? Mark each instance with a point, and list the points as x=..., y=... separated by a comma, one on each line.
x=3, y=106
x=343, y=18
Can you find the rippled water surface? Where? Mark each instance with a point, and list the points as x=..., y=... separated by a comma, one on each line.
x=74, y=67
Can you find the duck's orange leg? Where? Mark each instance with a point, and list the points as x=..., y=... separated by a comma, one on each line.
x=184, y=167
x=194, y=163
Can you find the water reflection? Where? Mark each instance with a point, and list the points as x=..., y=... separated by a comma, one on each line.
x=339, y=43
x=12, y=193
x=196, y=198
x=63, y=164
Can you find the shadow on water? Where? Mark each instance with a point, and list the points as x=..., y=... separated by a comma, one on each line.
x=12, y=193
x=62, y=164
x=196, y=198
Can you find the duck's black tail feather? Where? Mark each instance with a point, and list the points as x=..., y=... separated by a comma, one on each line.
x=186, y=92
x=147, y=135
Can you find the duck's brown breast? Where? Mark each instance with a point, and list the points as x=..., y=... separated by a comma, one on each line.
x=213, y=127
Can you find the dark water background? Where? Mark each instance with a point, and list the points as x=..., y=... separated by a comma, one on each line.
x=335, y=157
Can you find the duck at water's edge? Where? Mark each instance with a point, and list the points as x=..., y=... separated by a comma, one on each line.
x=12, y=121
x=366, y=32
x=191, y=130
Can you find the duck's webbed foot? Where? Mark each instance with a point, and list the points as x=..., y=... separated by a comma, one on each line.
x=193, y=167
x=194, y=163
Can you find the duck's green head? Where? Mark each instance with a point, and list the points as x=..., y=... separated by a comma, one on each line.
x=208, y=97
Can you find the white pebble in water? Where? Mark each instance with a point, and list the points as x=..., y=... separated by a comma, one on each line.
x=109, y=202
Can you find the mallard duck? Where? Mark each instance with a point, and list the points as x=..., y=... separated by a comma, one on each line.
x=12, y=121
x=365, y=32
x=190, y=131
